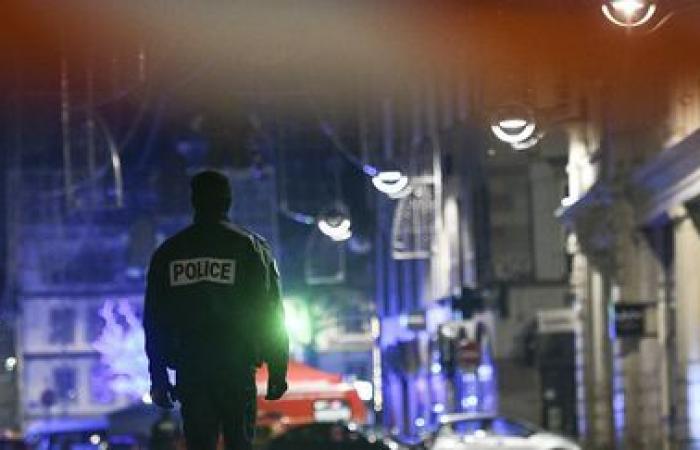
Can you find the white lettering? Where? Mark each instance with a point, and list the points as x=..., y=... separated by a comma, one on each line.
x=190, y=271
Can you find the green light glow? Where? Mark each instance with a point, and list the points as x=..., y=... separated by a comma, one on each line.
x=297, y=320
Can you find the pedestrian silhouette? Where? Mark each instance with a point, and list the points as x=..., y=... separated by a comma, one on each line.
x=213, y=313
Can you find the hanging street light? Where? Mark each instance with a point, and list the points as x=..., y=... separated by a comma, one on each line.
x=629, y=13
x=402, y=193
x=392, y=183
x=336, y=227
x=513, y=131
x=514, y=125
x=526, y=144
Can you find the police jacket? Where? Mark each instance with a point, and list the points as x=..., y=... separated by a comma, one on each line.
x=213, y=304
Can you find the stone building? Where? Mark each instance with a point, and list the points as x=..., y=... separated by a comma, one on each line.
x=635, y=248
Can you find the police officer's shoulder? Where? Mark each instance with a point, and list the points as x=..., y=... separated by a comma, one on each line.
x=258, y=244
x=255, y=239
x=161, y=251
x=172, y=242
x=264, y=252
x=159, y=257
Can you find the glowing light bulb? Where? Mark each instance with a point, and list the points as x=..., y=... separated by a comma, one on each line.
x=336, y=228
x=526, y=144
x=391, y=182
x=514, y=124
x=507, y=135
x=342, y=236
x=628, y=13
x=470, y=401
x=627, y=7
x=485, y=372
x=10, y=363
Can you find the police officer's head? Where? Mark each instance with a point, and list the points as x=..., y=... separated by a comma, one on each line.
x=211, y=193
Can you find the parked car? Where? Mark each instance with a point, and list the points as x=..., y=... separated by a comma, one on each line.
x=313, y=396
x=329, y=436
x=465, y=431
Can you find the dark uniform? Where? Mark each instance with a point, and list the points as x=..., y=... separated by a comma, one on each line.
x=213, y=313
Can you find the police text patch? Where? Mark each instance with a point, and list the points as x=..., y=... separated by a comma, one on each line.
x=191, y=271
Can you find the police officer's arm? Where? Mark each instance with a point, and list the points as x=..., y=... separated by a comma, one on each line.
x=154, y=324
x=275, y=349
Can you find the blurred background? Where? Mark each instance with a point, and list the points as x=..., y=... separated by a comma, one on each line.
x=480, y=207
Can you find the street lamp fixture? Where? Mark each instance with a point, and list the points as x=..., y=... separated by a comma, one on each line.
x=513, y=127
x=10, y=363
x=629, y=13
x=336, y=227
x=526, y=144
x=392, y=183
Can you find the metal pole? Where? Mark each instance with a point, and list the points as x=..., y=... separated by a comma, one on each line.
x=433, y=132
x=91, y=134
x=65, y=132
x=13, y=183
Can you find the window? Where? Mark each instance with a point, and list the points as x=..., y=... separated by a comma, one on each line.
x=65, y=384
x=93, y=264
x=62, y=326
x=95, y=324
x=100, y=390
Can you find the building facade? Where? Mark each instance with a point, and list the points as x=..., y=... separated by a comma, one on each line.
x=631, y=214
x=80, y=277
x=427, y=251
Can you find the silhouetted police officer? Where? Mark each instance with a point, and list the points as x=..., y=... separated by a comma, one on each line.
x=213, y=313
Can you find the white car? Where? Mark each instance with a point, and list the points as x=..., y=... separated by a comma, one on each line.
x=490, y=432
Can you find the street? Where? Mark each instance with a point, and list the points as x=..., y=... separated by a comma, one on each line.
x=448, y=225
